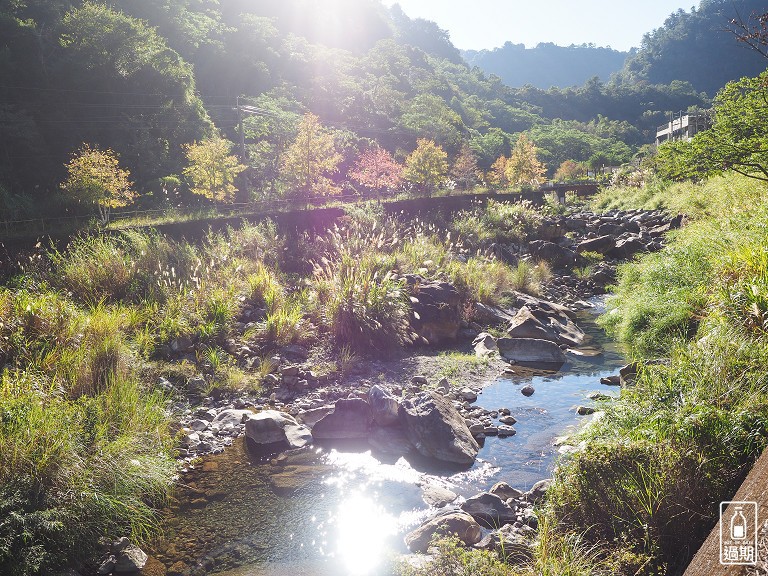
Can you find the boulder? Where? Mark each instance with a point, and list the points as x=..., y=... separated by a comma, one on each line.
x=384, y=406
x=436, y=309
x=537, y=323
x=351, y=418
x=437, y=430
x=437, y=496
x=601, y=244
x=489, y=509
x=459, y=523
x=130, y=561
x=484, y=344
x=491, y=315
x=311, y=416
x=271, y=427
x=530, y=351
x=626, y=248
x=505, y=491
x=557, y=255
x=390, y=441
x=509, y=543
x=537, y=491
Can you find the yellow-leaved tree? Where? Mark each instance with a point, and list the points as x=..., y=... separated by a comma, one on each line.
x=212, y=168
x=94, y=177
x=311, y=158
x=523, y=168
x=427, y=166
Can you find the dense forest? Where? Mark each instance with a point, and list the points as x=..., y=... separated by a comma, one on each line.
x=547, y=65
x=146, y=80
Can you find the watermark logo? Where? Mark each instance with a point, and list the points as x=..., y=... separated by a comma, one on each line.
x=738, y=533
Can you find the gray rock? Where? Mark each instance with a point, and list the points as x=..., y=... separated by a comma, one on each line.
x=545, y=323
x=505, y=431
x=436, y=309
x=601, y=244
x=538, y=491
x=437, y=430
x=557, y=255
x=130, y=561
x=271, y=427
x=311, y=416
x=197, y=384
x=437, y=496
x=198, y=425
x=505, y=491
x=530, y=351
x=351, y=418
x=390, y=441
x=489, y=509
x=459, y=523
x=585, y=410
x=484, y=345
x=384, y=406
x=231, y=418
x=508, y=420
x=468, y=394
x=509, y=543
x=527, y=390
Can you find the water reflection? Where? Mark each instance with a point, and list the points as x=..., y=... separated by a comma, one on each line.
x=343, y=511
x=362, y=526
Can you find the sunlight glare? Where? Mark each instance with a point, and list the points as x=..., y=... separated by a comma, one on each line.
x=362, y=527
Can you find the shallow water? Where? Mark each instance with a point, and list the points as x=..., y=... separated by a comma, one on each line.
x=344, y=512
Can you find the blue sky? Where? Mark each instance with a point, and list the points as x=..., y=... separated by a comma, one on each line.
x=478, y=24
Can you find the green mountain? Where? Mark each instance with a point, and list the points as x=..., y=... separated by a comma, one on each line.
x=547, y=65
x=697, y=47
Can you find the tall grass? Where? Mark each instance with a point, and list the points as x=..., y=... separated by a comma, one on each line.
x=684, y=435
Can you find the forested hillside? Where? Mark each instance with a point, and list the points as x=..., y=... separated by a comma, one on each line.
x=547, y=65
x=698, y=47
x=143, y=81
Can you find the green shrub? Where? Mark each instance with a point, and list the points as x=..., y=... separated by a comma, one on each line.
x=103, y=460
x=361, y=309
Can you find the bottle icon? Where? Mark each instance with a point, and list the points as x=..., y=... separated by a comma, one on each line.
x=738, y=525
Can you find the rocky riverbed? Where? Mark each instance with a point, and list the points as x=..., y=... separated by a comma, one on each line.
x=268, y=459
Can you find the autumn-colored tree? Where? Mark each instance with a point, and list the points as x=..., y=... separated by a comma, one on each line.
x=94, y=176
x=212, y=168
x=523, y=167
x=497, y=176
x=427, y=166
x=464, y=168
x=376, y=169
x=311, y=157
x=570, y=170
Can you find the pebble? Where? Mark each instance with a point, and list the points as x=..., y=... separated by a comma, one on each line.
x=527, y=390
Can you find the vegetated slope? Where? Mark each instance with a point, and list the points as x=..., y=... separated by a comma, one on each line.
x=547, y=65
x=145, y=78
x=685, y=433
x=696, y=47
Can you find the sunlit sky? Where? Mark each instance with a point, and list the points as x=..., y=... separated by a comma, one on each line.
x=478, y=24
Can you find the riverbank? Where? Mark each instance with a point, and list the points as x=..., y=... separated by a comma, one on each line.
x=183, y=322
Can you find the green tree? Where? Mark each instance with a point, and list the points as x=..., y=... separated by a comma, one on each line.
x=523, y=167
x=738, y=139
x=426, y=166
x=95, y=177
x=212, y=168
x=311, y=158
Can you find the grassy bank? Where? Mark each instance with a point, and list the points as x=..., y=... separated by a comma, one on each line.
x=680, y=439
x=85, y=438
x=643, y=494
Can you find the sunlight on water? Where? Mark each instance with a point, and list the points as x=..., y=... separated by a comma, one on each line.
x=361, y=527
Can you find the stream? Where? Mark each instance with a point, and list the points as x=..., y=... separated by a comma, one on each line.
x=342, y=511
